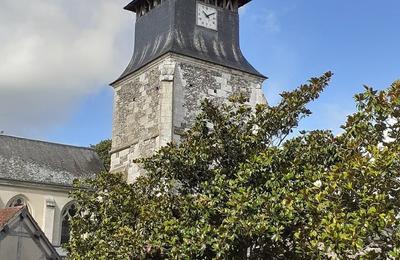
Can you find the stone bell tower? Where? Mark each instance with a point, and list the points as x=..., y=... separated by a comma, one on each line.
x=185, y=51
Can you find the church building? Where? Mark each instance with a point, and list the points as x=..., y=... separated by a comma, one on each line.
x=21, y=237
x=185, y=51
x=38, y=175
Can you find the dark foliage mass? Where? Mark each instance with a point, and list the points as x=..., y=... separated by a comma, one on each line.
x=236, y=187
x=103, y=149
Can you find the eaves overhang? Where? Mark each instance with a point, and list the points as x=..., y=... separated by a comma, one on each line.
x=132, y=6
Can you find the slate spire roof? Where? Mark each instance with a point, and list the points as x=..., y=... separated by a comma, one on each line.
x=171, y=28
x=43, y=162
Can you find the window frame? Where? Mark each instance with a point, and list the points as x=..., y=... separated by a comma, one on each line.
x=63, y=213
x=24, y=199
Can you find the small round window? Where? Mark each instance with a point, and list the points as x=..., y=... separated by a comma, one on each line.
x=17, y=202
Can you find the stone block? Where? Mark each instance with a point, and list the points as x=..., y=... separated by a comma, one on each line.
x=156, y=104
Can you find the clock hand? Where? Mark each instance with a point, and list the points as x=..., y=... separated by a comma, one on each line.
x=210, y=15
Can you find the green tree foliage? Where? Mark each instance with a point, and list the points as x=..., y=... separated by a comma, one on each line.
x=103, y=149
x=236, y=188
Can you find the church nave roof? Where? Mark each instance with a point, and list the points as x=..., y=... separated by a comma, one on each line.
x=43, y=162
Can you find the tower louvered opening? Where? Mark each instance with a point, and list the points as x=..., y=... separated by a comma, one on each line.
x=142, y=7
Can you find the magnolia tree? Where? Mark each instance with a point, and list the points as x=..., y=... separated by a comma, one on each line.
x=236, y=187
x=103, y=149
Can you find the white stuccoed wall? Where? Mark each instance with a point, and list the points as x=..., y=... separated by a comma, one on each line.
x=45, y=205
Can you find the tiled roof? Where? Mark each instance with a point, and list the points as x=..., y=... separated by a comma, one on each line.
x=13, y=217
x=7, y=214
x=43, y=162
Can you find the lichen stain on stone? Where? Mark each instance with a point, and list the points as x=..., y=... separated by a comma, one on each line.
x=202, y=82
x=139, y=128
x=137, y=110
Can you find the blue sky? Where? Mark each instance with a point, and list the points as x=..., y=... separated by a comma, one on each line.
x=289, y=41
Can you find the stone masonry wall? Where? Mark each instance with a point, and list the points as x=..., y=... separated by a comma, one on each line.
x=198, y=80
x=137, y=109
x=155, y=105
x=136, y=119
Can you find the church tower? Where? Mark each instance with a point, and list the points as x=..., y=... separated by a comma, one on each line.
x=185, y=51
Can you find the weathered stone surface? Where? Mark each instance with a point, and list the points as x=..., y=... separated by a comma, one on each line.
x=200, y=80
x=155, y=105
x=137, y=109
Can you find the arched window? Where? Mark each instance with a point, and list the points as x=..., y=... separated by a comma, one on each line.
x=17, y=201
x=68, y=212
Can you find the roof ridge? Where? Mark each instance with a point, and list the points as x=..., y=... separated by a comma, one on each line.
x=46, y=142
x=9, y=215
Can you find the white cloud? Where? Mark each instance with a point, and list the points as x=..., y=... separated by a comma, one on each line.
x=52, y=52
x=270, y=21
x=243, y=10
x=267, y=20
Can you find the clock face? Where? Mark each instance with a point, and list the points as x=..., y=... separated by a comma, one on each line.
x=207, y=16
